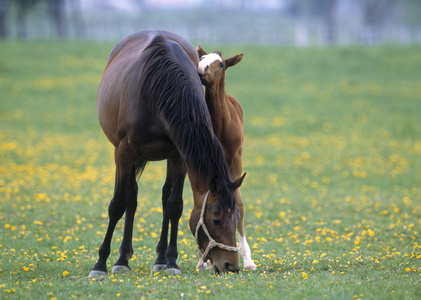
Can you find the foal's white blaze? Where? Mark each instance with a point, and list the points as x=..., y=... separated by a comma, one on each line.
x=206, y=61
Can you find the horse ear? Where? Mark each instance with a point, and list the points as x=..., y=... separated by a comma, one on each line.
x=232, y=61
x=214, y=185
x=238, y=182
x=200, y=51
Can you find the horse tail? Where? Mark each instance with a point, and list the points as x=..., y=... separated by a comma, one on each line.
x=139, y=167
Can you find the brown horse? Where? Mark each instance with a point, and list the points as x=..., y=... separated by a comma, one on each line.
x=151, y=106
x=227, y=121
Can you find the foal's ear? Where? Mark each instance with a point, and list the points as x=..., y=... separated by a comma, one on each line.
x=200, y=51
x=238, y=182
x=232, y=61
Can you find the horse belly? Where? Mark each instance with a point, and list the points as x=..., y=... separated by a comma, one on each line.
x=157, y=150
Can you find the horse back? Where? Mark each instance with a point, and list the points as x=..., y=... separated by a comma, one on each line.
x=140, y=40
x=118, y=84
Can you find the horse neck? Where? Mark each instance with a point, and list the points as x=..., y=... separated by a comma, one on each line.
x=199, y=188
x=216, y=99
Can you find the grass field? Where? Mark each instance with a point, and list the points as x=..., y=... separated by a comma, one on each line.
x=333, y=191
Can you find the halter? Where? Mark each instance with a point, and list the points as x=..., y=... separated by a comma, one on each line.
x=212, y=243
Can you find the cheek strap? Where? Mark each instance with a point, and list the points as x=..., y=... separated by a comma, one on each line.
x=212, y=243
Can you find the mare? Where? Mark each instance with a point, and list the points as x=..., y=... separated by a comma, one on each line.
x=151, y=106
x=227, y=121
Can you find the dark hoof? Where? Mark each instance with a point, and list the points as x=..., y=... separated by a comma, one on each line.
x=159, y=267
x=96, y=273
x=120, y=268
x=173, y=271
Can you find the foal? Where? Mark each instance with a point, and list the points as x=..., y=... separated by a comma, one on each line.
x=227, y=121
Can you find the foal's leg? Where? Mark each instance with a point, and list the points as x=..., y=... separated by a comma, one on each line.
x=236, y=169
x=244, y=246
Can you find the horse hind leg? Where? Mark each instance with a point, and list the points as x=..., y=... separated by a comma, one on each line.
x=115, y=212
x=124, y=200
x=126, y=248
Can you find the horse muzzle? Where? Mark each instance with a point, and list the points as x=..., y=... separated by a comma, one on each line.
x=226, y=267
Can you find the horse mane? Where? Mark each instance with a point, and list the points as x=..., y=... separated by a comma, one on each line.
x=172, y=98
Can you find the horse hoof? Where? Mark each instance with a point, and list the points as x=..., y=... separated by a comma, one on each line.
x=96, y=273
x=251, y=267
x=121, y=268
x=173, y=271
x=158, y=267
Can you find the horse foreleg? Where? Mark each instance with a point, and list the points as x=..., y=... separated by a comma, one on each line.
x=161, y=248
x=172, y=206
x=175, y=210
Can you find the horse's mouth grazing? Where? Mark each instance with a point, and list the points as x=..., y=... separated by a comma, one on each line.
x=216, y=270
x=228, y=269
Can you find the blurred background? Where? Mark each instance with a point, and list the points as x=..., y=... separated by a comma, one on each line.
x=278, y=22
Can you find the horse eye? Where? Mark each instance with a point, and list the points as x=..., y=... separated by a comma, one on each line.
x=216, y=222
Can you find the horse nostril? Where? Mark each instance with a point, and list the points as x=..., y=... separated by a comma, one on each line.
x=206, y=68
x=230, y=268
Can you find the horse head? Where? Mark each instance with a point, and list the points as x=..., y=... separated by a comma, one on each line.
x=214, y=225
x=211, y=67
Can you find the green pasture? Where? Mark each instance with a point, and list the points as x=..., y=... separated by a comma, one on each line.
x=333, y=187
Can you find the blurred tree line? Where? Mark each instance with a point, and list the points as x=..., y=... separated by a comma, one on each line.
x=54, y=10
x=65, y=18
x=375, y=14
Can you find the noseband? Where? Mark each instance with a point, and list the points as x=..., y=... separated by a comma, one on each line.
x=212, y=242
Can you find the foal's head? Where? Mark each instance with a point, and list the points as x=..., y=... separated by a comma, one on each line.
x=214, y=226
x=211, y=67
